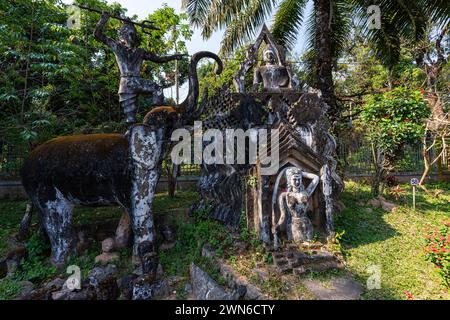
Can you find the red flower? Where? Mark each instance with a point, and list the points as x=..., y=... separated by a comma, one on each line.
x=409, y=295
x=422, y=91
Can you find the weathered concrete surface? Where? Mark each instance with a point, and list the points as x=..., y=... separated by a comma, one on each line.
x=242, y=288
x=311, y=257
x=145, y=289
x=343, y=288
x=107, y=257
x=204, y=287
x=102, y=280
x=46, y=291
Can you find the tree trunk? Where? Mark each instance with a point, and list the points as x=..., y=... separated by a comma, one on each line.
x=377, y=178
x=426, y=161
x=440, y=171
x=324, y=55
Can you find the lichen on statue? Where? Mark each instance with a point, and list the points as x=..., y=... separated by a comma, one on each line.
x=107, y=169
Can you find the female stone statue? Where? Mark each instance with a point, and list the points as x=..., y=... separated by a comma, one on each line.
x=293, y=205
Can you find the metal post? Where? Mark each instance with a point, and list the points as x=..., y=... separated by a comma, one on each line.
x=414, y=183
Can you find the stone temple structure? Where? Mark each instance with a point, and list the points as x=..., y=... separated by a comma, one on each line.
x=293, y=204
x=298, y=201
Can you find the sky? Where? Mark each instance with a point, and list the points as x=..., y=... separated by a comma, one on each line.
x=142, y=8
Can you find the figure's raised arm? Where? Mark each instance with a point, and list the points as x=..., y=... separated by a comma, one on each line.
x=312, y=186
x=98, y=32
x=158, y=59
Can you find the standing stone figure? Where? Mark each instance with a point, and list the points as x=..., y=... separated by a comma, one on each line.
x=293, y=204
x=129, y=59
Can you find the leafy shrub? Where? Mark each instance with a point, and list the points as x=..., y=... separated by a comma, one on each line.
x=395, y=118
x=437, y=251
x=36, y=267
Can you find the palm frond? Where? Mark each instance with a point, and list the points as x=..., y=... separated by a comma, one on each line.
x=245, y=23
x=340, y=26
x=197, y=10
x=400, y=20
x=438, y=11
x=386, y=43
x=309, y=57
x=311, y=30
x=221, y=13
x=287, y=21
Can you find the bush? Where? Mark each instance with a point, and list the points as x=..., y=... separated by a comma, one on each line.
x=36, y=267
x=438, y=251
x=395, y=119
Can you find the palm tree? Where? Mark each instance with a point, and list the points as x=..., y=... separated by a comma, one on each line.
x=329, y=26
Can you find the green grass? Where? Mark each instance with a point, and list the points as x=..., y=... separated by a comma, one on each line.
x=9, y=289
x=393, y=241
x=11, y=213
x=192, y=235
x=37, y=268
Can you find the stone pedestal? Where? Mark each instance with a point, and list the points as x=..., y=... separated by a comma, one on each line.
x=298, y=261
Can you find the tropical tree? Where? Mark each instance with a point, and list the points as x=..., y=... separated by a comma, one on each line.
x=58, y=80
x=393, y=119
x=328, y=25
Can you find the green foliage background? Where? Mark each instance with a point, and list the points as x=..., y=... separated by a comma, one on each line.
x=57, y=80
x=394, y=119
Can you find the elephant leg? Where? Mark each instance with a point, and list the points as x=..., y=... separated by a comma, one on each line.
x=56, y=215
x=145, y=150
x=24, y=228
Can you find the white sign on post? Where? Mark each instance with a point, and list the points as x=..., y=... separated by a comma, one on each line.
x=414, y=183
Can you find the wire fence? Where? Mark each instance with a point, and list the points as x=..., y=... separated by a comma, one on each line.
x=11, y=161
x=354, y=157
x=357, y=160
x=12, y=157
